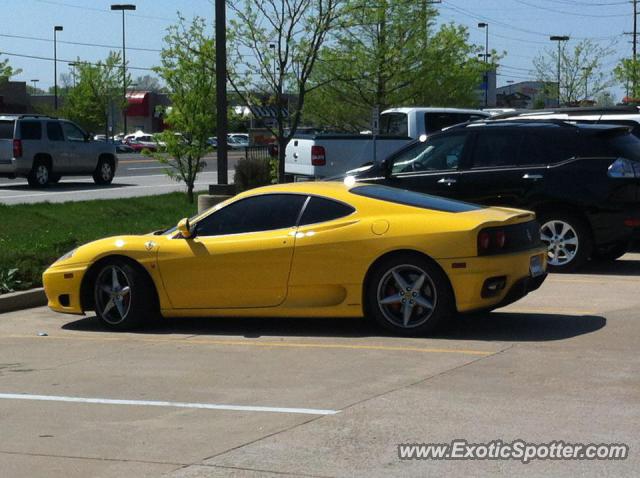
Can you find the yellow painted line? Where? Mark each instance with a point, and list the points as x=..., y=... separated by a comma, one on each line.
x=598, y=280
x=247, y=343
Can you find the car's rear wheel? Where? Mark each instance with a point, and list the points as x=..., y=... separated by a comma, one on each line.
x=409, y=295
x=105, y=171
x=40, y=174
x=568, y=242
x=123, y=297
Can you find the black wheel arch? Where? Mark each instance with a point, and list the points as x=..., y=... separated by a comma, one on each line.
x=86, y=286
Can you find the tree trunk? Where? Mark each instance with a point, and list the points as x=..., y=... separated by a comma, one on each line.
x=190, y=192
x=282, y=146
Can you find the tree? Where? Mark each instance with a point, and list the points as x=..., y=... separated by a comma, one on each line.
x=627, y=72
x=276, y=46
x=187, y=61
x=97, y=94
x=580, y=69
x=387, y=54
x=7, y=71
x=148, y=83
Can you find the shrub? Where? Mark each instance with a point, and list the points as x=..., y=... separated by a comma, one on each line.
x=252, y=173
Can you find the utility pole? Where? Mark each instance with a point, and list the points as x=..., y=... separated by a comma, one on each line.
x=586, y=71
x=56, y=29
x=221, y=89
x=635, y=43
x=486, y=62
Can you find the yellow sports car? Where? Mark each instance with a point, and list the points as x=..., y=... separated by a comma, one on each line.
x=327, y=249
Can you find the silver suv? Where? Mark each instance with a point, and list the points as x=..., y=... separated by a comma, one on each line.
x=43, y=149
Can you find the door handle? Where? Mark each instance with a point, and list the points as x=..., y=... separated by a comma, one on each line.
x=447, y=181
x=533, y=177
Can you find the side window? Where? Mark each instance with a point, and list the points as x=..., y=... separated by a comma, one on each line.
x=437, y=153
x=257, y=213
x=321, y=209
x=72, y=132
x=54, y=131
x=394, y=124
x=30, y=130
x=535, y=149
x=496, y=148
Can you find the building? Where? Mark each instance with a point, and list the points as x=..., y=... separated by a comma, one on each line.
x=527, y=95
x=146, y=110
x=14, y=97
x=487, y=90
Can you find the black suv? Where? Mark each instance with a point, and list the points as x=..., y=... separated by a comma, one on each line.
x=583, y=181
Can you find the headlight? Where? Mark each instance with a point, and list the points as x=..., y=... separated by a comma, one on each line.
x=68, y=255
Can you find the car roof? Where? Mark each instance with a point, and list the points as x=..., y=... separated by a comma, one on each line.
x=539, y=124
x=435, y=109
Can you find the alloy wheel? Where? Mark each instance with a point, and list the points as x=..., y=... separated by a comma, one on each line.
x=105, y=171
x=113, y=295
x=561, y=240
x=406, y=296
x=42, y=174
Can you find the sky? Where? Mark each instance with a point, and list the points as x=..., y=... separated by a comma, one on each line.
x=521, y=28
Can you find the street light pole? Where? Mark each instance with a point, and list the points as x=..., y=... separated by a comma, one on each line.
x=559, y=39
x=486, y=61
x=586, y=71
x=221, y=90
x=123, y=8
x=56, y=29
x=34, y=85
x=73, y=73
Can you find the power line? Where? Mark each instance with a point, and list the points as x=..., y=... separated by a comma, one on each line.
x=94, y=9
x=35, y=57
x=540, y=7
x=49, y=40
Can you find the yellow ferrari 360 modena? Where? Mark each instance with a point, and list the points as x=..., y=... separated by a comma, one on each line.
x=325, y=249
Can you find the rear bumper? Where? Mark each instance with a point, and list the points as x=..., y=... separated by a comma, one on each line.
x=521, y=288
x=15, y=167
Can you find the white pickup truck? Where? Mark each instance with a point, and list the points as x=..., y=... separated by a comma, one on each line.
x=325, y=155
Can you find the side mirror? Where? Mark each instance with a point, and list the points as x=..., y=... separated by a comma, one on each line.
x=387, y=167
x=184, y=228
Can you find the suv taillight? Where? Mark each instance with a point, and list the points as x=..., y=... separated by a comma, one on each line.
x=491, y=241
x=624, y=168
x=318, y=156
x=17, y=148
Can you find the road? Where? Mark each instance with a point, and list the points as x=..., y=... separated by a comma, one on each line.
x=136, y=176
x=325, y=397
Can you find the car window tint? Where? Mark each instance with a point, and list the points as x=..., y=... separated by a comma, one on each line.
x=321, y=209
x=6, y=129
x=411, y=198
x=435, y=154
x=30, y=130
x=394, y=124
x=54, y=131
x=437, y=121
x=72, y=132
x=625, y=145
x=535, y=150
x=258, y=213
x=496, y=148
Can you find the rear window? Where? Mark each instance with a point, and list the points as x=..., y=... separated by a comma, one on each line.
x=411, y=198
x=30, y=130
x=6, y=129
x=394, y=124
x=625, y=145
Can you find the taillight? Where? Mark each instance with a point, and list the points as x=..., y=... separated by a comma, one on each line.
x=17, y=148
x=624, y=168
x=491, y=241
x=318, y=156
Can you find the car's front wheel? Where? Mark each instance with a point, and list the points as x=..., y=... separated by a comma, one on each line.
x=568, y=241
x=409, y=295
x=105, y=171
x=123, y=297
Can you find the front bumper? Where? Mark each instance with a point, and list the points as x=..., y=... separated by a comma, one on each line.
x=62, y=287
x=469, y=275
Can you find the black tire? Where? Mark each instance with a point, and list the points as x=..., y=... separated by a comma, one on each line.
x=611, y=253
x=568, y=251
x=40, y=174
x=54, y=178
x=435, y=289
x=117, y=307
x=105, y=171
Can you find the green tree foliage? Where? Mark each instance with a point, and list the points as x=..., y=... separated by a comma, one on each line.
x=580, y=67
x=389, y=53
x=97, y=94
x=7, y=71
x=187, y=69
x=148, y=83
x=627, y=72
x=275, y=46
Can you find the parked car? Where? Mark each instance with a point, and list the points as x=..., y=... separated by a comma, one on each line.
x=44, y=149
x=325, y=155
x=238, y=141
x=583, y=181
x=143, y=142
x=324, y=249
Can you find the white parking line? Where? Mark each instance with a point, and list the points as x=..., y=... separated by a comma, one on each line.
x=153, y=403
x=148, y=167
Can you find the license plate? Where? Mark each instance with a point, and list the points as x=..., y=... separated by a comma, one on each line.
x=535, y=266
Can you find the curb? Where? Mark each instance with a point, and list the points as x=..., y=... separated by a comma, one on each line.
x=25, y=299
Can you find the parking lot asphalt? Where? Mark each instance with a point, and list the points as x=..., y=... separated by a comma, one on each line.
x=137, y=175
x=325, y=397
